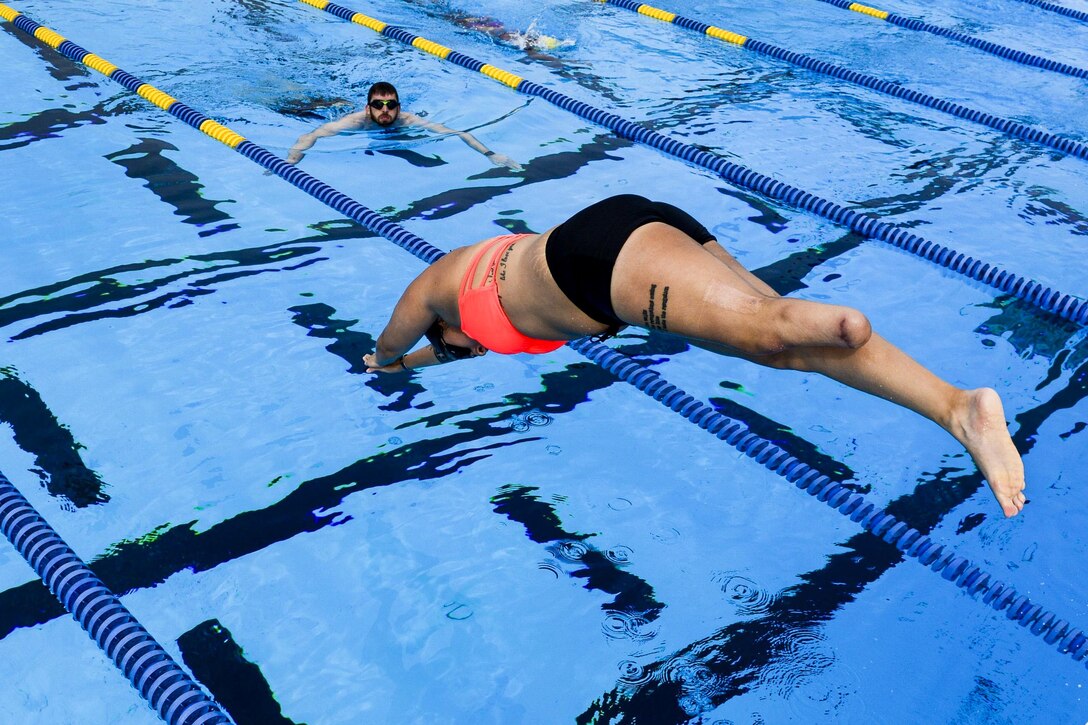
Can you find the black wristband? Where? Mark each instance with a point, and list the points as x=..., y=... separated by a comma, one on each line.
x=489, y=154
x=404, y=364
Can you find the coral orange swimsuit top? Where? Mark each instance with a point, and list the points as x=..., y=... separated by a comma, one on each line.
x=482, y=316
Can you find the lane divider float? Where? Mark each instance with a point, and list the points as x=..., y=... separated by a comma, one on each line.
x=1050, y=300
x=1017, y=56
x=318, y=189
x=1054, y=8
x=166, y=687
x=944, y=560
x=1019, y=130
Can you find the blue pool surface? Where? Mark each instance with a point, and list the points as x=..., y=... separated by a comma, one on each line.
x=528, y=539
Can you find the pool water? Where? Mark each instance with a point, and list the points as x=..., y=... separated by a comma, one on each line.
x=527, y=539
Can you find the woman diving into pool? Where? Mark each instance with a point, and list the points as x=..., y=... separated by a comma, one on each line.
x=627, y=260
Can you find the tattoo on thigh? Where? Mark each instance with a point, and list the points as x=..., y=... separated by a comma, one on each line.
x=656, y=319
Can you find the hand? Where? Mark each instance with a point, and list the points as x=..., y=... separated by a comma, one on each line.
x=372, y=366
x=504, y=160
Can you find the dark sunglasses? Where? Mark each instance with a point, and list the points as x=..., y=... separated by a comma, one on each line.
x=392, y=105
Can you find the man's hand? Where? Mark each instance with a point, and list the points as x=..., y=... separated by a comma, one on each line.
x=504, y=160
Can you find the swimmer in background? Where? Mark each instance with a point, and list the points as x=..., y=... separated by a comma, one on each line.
x=383, y=110
x=529, y=40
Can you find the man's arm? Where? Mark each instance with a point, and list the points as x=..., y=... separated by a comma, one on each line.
x=411, y=119
x=350, y=122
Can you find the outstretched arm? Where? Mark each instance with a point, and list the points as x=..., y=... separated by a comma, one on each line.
x=350, y=122
x=473, y=143
x=422, y=358
x=414, y=314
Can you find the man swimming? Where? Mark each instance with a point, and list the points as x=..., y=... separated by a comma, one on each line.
x=383, y=110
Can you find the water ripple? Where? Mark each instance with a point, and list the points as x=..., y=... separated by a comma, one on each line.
x=535, y=417
x=619, y=555
x=633, y=674
x=698, y=683
x=748, y=596
x=627, y=625
x=804, y=655
x=522, y=422
x=550, y=567
x=571, y=550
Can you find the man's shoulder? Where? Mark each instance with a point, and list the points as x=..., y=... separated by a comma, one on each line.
x=360, y=118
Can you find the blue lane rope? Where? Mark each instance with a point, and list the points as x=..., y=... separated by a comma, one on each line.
x=1061, y=143
x=296, y=176
x=939, y=558
x=159, y=680
x=1017, y=56
x=1048, y=299
x=1078, y=14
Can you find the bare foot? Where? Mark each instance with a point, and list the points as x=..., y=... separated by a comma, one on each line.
x=980, y=422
